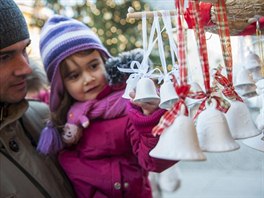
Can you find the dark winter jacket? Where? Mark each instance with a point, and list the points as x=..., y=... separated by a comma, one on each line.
x=24, y=172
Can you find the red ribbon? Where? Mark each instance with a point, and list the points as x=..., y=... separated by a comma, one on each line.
x=181, y=38
x=224, y=34
x=221, y=104
x=229, y=90
x=168, y=118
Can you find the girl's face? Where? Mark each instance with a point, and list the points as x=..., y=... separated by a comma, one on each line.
x=84, y=76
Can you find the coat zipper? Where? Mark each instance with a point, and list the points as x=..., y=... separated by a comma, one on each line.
x=32, y=179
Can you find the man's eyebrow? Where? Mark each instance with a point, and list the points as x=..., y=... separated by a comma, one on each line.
x=12, y=51
x=7, y=52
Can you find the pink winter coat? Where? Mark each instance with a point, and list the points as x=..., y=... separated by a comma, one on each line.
x=112, y=158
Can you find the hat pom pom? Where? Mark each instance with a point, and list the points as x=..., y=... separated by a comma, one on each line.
x=50, y=141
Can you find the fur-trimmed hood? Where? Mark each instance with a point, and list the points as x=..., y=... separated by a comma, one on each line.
x=123, y=60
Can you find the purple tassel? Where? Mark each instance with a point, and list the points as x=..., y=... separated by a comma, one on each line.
x=50, y=140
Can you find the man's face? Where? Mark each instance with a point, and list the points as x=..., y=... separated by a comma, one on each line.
x=14, y=67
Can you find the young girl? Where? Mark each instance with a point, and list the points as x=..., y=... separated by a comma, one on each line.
x=111, y=157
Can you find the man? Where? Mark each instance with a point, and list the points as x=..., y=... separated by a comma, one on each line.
x=23, y=171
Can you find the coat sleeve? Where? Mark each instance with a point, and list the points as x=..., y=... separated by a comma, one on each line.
x=142, y=140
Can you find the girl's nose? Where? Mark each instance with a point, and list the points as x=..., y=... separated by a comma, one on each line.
x=87, y=79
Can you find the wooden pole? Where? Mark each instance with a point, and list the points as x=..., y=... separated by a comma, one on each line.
x=149, y=14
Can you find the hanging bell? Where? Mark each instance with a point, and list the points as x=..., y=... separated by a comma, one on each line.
x=213, y=131
x=256, y=142
x=252, y=61
x=146, y=91
x=131, y=84
x=243, y=79
x=240, y=122
x=254, y=102
x=129, y=88
x=260, y=118
x=168, y=95
x=179, y=141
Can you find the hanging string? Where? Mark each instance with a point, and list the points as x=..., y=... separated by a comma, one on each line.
x=260, y=44
x=221, y=104
x=224, y=34
x=173, y=48
x=182, y=90
x=160, y=44
x=181, y=43
x=147, y=46
x=144, y=32
x=137, y=69
x=201, y=42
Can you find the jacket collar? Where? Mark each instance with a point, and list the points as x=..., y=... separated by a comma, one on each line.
x=11, y=112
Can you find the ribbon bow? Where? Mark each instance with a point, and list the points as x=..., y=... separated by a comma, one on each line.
x=229, y=90
x=221, y=104
x=168, y=118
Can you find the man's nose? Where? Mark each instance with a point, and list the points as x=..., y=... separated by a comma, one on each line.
x=23, y=67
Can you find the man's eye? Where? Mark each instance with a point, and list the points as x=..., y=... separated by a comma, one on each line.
x=4, y=57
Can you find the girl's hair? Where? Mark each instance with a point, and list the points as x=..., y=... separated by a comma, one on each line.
x=59, y=117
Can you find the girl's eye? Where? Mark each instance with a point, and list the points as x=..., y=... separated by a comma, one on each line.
x=94, y=66
x=73, y=76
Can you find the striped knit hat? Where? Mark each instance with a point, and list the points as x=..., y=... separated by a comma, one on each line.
x=61, y=37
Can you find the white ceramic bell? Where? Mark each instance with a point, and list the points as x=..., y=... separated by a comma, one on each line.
x=146, y=91
x=213, y=131
x=260, y=118
x=243, y=78
x=129, y=88
x=252, y=61
x=254, y=102
x=260, y=91
x=243, y=90
x=179, y=141
x=256, y=73
x=256, y=142
x=131, y=84
x=260, y=87
x=168, y=95
x=260, y=84
x=240, y=122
